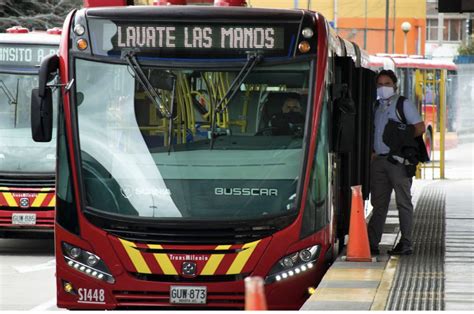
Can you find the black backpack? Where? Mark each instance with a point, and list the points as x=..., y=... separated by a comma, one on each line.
x=422, y=152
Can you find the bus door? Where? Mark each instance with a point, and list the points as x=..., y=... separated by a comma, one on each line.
x=344, y=115
x=367, y=97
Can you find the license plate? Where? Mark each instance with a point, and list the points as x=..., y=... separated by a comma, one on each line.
x=188, y=295
x=24, y=219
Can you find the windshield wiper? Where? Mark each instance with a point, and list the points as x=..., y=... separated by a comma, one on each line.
x=152, y=94
x=131, y=59
x=11, y=100
x=252, y=60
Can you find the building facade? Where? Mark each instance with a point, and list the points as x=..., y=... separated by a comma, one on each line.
x=445, y=32
x=428, y=32
x=364, y=21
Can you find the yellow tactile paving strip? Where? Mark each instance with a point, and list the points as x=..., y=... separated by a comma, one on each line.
x=354, y=286
x=353, y=274
x=345, y=294
x=383, y=291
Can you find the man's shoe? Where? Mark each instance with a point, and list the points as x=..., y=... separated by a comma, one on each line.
x=401, y=249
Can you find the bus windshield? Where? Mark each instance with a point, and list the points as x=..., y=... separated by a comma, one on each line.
x=138, y=162
x=18, y=152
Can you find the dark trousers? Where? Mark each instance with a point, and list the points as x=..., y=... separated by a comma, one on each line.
x=385, y=177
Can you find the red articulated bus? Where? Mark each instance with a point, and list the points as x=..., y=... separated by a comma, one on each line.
x=26, y=167
x=200, y=145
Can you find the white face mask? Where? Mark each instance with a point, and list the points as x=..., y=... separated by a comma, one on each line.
x=385, y=92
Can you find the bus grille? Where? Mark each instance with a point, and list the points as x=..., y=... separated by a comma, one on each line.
x=192, y=236
x=160, y=299
x=189, y=233
x=27, y=181
x=41, y=222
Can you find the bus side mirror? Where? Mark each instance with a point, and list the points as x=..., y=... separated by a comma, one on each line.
x=42, y=101
x=41, y=115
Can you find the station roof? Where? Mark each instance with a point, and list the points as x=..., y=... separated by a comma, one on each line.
x=423, y=63
x=384, y=60
x=35, y=38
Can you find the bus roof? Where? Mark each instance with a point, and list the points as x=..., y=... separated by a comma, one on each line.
x=193, y=12
x=34, y=38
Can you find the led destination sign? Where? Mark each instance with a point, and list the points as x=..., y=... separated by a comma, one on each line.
x=199, y=37
x=24, y=55
x=159, y=39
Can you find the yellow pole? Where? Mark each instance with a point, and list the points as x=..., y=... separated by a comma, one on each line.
x=442, y=120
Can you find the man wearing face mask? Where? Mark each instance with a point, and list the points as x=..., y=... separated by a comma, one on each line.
x=284, y=123
x=387, y=175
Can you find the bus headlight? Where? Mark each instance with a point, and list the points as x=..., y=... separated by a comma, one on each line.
x=86, y=263
x=92, y=260
x=74, y=252
x=294, y=264
x=305, y=255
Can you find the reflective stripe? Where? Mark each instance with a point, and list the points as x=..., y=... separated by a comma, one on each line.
x=52, y=203
x=214, y=261
x=242, y=258
x=136, y=257
x=39, y=200
x=163, y=260
x=10, y=199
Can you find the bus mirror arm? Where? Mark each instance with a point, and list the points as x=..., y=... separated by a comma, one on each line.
x=48, y=68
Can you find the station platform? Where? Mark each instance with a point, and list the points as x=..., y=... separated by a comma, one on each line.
x=439, y=275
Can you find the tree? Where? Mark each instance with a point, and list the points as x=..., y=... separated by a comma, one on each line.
x=35, y=14
x=466, y=50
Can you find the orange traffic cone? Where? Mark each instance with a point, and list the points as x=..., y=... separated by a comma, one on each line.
x=254, y=294
x=358, y=248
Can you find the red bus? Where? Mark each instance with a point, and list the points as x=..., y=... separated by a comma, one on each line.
x=26, y=167
x=182, y=169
